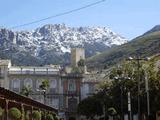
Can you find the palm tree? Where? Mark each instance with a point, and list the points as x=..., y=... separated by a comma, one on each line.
x=44, y=85
x=26, y=90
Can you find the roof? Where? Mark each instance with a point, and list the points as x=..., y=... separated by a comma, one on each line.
x=10, y=95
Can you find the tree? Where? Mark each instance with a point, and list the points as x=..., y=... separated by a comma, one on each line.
x=90, y=107
x=1, y=112
x=44, y=85
x=26, y=90
x=81, y=63
x=49, y=117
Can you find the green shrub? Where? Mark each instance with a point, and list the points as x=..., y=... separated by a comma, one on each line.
x=27, y=116
x=43, y=114
x=53, y=114
x=81, y=63
x=76, y=70
x=49, y=117
x=14, y=113
x=1, y=111
x=56, y=118
x=36, y=115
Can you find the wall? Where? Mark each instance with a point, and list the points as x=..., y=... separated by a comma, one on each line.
x=18, y=81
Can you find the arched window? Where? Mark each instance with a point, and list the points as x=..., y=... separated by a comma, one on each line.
x=28, y=82
x=38, y=83
x=71, y=86
x=53, y=83
x=54, y=102
x=16, y=84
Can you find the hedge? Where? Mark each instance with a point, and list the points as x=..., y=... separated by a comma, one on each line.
x=36, y=115
x=14, y=113
x=1, y=111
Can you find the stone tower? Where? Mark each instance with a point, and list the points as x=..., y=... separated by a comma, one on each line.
x=76, y=55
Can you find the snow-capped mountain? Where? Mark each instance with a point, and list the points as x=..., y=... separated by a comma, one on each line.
x=52, y=43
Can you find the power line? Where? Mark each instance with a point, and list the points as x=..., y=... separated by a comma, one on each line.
x=58, y=15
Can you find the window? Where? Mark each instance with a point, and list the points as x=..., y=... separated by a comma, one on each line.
x=16, y=83
x=38, y=83
x=91, y=88
x=54, y=102
x=71, y=86
x=28, y=82
x=53, y=83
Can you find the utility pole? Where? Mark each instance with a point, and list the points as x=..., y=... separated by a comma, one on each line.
x=44, y=95
x=44, y=92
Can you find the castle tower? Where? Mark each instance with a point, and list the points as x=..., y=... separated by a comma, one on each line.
x=76, y=55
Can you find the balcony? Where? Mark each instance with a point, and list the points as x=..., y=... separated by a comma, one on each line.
x=33, y=71
x=72, y=75
x=72, y=93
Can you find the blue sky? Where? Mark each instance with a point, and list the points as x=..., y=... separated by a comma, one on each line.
x=129, y=18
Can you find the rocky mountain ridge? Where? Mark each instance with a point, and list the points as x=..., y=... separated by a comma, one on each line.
x=145, y=45
x=51, y=44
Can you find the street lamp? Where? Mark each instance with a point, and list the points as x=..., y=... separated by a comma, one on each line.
x=44, y=94
x=138, y=59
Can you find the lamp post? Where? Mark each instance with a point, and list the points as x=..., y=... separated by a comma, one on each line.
x=44, y=94
x=138, y=59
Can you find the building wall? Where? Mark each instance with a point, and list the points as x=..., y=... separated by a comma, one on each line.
x=87, y=89
x=71, y=87
x=17, y=82
x=65, y=91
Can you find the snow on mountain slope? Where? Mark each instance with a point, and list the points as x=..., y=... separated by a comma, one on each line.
x=45, y=43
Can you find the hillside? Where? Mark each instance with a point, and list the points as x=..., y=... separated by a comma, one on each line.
x=145, y=45
x=51, y=44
